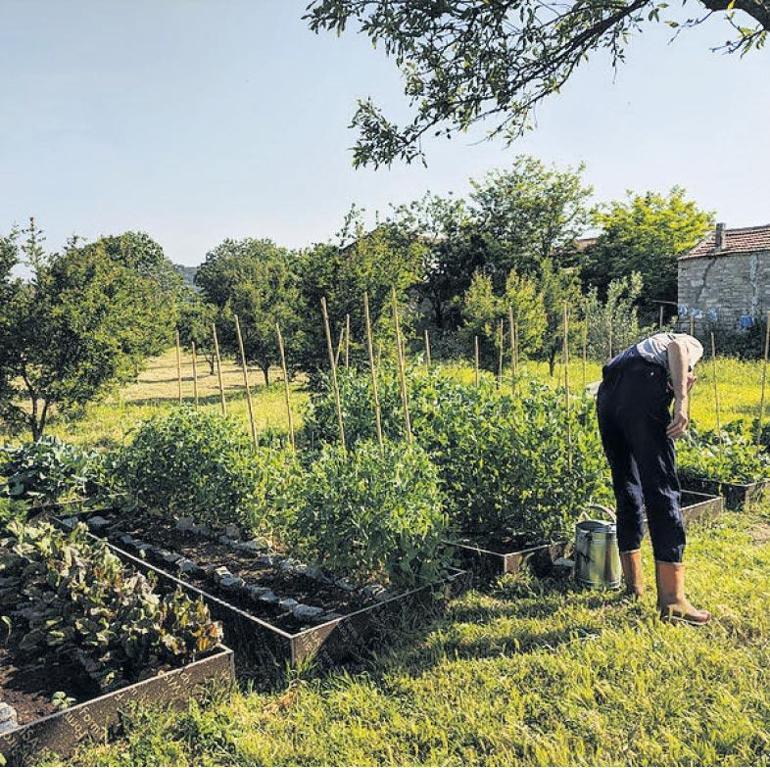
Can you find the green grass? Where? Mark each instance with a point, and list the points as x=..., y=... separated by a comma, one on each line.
x=528, y=673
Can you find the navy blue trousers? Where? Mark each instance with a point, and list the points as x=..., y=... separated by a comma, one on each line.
x=633, y=410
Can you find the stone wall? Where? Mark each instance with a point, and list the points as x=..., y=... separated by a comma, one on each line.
x=730, y=285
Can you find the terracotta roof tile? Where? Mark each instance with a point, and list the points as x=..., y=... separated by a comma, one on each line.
x=744, y=240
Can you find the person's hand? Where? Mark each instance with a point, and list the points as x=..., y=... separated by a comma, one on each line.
x=679, y=421
x=691, y=379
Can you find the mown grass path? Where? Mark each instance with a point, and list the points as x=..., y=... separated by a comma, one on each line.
x=530, y=672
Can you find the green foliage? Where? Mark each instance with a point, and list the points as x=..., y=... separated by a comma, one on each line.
x=256, y=280
x=196, y=318
x=731, y=456
x=83, y=322
x=50, y=470
x=503, y=463
x=72, y=600
x=373, y=514
x=645, y=233
x=199, y=463
x=559, y=287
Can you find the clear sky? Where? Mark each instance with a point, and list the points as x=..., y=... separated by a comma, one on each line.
x=196, y=120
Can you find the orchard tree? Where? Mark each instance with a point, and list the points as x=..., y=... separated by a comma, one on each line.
x=645, y=233
x=256, y=280
x=77, y=327
x=195, y=320
x=468, y=61
x=560, y=287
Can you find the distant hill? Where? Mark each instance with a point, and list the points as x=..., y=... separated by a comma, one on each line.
x=187, y=273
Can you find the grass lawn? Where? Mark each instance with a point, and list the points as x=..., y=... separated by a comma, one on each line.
x=527, y=673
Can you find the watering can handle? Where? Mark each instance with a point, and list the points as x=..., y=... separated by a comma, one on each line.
x=607, y=511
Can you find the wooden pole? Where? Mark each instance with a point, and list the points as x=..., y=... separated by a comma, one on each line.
x=286, y=392
x=427, y=349
x=401, y=369
x=660, y=320
x=692, y=325
x=195, y=375
x=585, y=350
x=333, y=364
x=516, y=346
x=500, y=338
x=716, y=388
x=347, y=341
x=566, y=385
x=512, y=331
x=249, y=404
x=609, y=338
x=340, y=342
x=476, y=359
x=764, y=381
x=178, y=368
x=373, y=369
x=219, y=370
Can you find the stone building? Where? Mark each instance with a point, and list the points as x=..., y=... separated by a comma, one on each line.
x=725, y=279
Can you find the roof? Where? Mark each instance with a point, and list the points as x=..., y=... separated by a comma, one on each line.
x=743, y=240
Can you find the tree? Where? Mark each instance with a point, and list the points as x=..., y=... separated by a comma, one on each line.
x=560, y=288
x=78, y=326
x=196, y=317
x=467, y=61
x=645, y=233
x=256, y=280
x=529, y=212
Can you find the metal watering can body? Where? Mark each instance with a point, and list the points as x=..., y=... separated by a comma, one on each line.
x=597, y=559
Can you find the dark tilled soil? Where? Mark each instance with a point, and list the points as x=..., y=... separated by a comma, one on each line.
x=28, y=687
x=202, y=551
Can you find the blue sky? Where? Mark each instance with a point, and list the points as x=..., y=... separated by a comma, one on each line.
x=196, y=120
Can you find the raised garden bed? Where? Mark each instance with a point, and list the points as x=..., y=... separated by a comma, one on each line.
x=735, y=494
x=490, y=555
x=42, y=727
x=273, y=608
x=699, y=506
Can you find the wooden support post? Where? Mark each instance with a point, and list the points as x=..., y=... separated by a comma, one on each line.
x=500, y=338
x=716, y=387
x=512, y=331
x=347, y=341
x=178, y=368
x=333, y=364
x=286, y=391
x=585, y=350
x=764, y=381
x=219, y=370
x=566, y=385
x=249, y=404
x=692, y=325
x=401, y=369
x=660, y=320
x=427, y=349
x=373, y=369
x=476, y=359
x=609, y=338
x=195, y=375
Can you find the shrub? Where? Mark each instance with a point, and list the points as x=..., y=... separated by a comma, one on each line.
x=372, y=514
x=71, y=599
x=50, y=470
x=730, y=456
x=190, y=462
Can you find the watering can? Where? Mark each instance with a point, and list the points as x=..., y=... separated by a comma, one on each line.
x=597, y=560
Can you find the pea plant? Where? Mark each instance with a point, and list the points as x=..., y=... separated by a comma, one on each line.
x=190, y=462
x=70, y=599
x=372, y=514
x=730, y=456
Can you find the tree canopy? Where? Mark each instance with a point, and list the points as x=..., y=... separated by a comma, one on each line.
x=466, y=61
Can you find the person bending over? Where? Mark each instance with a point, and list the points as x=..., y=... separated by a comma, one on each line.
x=637, y=430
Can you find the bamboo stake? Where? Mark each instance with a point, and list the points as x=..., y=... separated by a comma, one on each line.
x=178, y=368
x=512, y=331
x=246, y=382
x=476, y=359
x=716, y=388
x=500, y=337
x=340, y=342
x=282, y=352
x=219, y=370
x=373, y=369
x=427, y=349
x=609, y=337
x=566, y=385
x=660, y=321
x=401, y=371
x=195, y=375
x=333, y=364
x=516, y=346
x=764, y=381
x=347, y=341
x=585, y=350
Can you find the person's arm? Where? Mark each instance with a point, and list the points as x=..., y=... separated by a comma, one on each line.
x=679, y=367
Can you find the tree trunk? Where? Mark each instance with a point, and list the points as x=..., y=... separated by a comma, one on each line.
x=210, y=360
x=551, y=362
x=266, y=374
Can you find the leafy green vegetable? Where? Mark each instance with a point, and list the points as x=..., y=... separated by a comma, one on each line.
x=71, y=599
x=372, y=514
x=730, y=456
